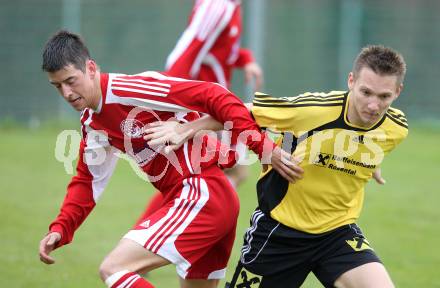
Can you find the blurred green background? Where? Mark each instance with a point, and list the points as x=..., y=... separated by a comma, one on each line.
x=302, y=46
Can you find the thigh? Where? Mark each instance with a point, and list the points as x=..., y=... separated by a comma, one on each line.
x=342, y=250
x=369, y=275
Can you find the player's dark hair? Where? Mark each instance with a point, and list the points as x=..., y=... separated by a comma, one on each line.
x=382, y=60
x=62, y=49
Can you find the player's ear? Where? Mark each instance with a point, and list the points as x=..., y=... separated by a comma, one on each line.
x=91, y=68
x=399, y=89
x=350, y=81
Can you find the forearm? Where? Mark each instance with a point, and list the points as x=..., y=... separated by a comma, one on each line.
x=207, y=123
x=243, y=128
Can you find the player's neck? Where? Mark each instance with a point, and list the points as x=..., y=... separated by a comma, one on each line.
x=97, y=93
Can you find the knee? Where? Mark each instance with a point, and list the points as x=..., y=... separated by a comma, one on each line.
x=107, y=268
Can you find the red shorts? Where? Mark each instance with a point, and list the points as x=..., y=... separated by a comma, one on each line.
x=196, y=229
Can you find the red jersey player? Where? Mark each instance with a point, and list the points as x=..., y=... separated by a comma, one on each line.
x=194, y=229
x=209, y=48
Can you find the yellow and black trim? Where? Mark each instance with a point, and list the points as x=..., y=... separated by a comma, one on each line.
x=303, y=100
x=397, y=117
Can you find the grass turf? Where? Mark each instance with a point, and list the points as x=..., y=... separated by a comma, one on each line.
x=400, y=219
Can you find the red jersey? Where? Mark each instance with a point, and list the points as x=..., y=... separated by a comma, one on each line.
x=210, y=46
x=128, y=103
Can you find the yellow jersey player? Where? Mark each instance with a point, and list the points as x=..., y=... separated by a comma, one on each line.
x=339, y=139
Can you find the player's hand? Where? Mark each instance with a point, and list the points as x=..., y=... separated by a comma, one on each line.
x=287, y=166
x=169, y=133
x=377, y=175
x=47, y=245
x=253, y=71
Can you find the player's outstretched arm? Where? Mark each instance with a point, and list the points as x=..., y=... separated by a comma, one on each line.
x=47, y=245
x=174, y=134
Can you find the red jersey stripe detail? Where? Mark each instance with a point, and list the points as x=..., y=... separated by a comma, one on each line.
x=122, y=92
x=126, y=87
x=181, y=220
x=154, y=238
x=131, y=281
x=183, y=214
x=117, y=84
x=188, y=207
x=167, y=226
x=140, y=80
x=213, y=15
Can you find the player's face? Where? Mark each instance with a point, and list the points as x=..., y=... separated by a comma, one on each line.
x=76, y=87
x=371, y=95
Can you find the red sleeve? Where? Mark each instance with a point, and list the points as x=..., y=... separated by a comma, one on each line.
x=78, y=202
x=221, y=104
x=92, y=175
x=178, y=94
x=244, y=57
x=182, y=65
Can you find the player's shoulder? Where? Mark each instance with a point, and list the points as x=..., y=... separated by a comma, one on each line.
x=156, y=75
x=395, y=124
x=397, y=117
x=332, y=98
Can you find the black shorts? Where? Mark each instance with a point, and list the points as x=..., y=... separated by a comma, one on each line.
x=274, y=255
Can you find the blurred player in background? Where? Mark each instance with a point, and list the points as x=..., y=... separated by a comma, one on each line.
x=194, y=229
x=342, y=138
x=208, y=50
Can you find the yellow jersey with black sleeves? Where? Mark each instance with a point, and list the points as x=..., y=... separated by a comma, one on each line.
x=338, y=158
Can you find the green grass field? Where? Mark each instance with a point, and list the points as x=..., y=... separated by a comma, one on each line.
x=400, y=219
